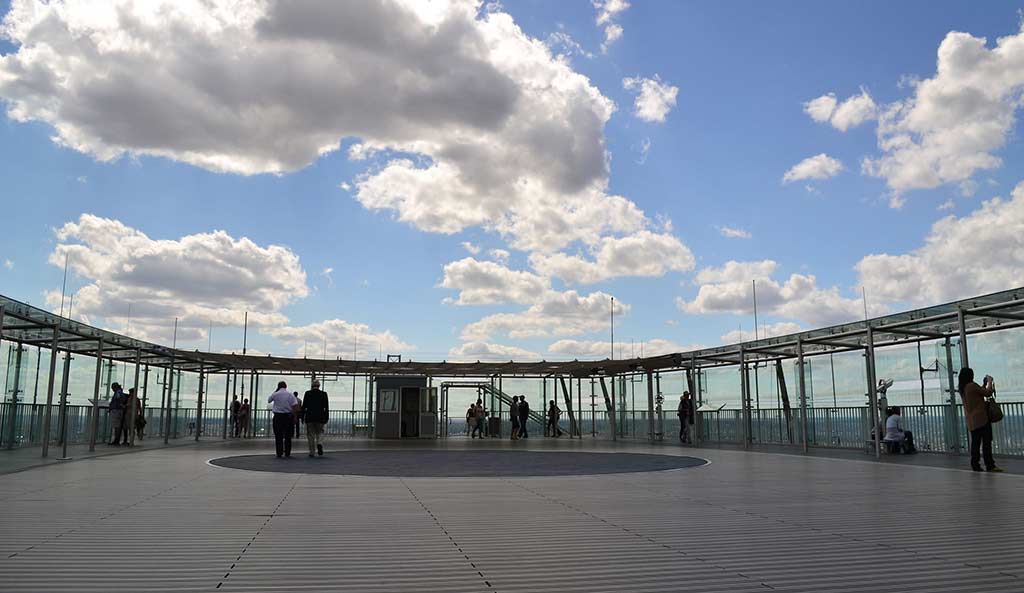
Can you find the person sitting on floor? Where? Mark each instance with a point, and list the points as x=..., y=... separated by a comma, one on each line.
x=895, y=437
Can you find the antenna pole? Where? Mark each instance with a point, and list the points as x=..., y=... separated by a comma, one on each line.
x=612, y=312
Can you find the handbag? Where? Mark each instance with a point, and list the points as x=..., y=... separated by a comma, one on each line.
x=995, y=413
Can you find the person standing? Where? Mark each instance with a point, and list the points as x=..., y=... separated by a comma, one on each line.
x=235, y=408
x=975, y=398
x=284, y=406
x=513, y=416
x=243, y=418
x=524, y=417
x=298, y=416
x=554, y=413
x=315, y=413
x=116, y=412
x=685, y=413
x=471, y=421
x=481, y=418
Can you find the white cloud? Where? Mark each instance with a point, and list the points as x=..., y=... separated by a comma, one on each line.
x=819, y=166
x=487, y=283
x=655, y=98
x=345, y=186
x=821, y=109
x=600, y=350
x=729, y=289
x=955, y=121
x=644, y=149
x=8, y=264
x=474, y=122
x=554, y=314
x=947, y=205
x=563, y=44
x=198, y=278
x=782, y=328
x=607, y=12
x=484, y=351
x=500, y=255
x=852, y=112
x=326, y=273
x=342, y=337
x=734, y=233
x=471, y=248
x=961, y=257
x=642, y=254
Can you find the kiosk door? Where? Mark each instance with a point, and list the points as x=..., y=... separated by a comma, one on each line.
x=410, y=412
x=428, y=412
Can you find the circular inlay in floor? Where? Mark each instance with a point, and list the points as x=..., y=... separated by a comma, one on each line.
x=481, y=463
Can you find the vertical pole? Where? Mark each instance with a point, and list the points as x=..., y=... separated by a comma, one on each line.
x=94, y=418
x=744, y=398
x=962, y=323
x=954, y=417
x=145, y=391
x=650, y=405
x=134, y=410
x=49, y=390
x=801, y=385
x=873, y=391
x=163, y=405
x=170, y=393
x=199, y=403
x=62, y=409
x=14, y=393
x=253, y=390
x=227, y=392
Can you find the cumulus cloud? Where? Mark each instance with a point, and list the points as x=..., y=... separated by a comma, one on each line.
x=729, y=289
x=554, y=314
x=734, y=233
x=979, y=253
x=201, y=278
x=782, y=328
x=499, y=255
x=955, y=121
x=484, y=351
x=643, y=254
x=607, y=12
x=563, y=44
x=471, y=248
x=598, y=350
x=819, y=166
x=486, y=283
x=654, y=99
x=851, y=113
x=463, y=119
x=341, y=337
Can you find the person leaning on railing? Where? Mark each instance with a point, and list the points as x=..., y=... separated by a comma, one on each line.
x=975, y=398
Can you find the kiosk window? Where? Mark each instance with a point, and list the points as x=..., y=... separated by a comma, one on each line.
x=388, y=400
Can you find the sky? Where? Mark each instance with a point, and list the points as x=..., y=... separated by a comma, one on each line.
x=476, y=181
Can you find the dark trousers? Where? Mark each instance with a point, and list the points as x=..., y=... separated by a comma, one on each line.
x=522, y=427
x=283, y=425
x=981, y=442
x=553, y=428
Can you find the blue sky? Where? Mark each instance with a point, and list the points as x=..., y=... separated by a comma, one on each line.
x=742, y=71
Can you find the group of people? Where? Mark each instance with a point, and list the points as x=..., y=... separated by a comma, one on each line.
x=519, y=416
x=289, y=411
x=120, y=412
x=241, y=412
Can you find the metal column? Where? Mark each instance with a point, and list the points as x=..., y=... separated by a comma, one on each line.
x=199, y=404
x=609, y=404
x=227, y=392
x=134, y=408
x=94, y=416
x=954, y=418
x=49, y=391
x=801, y=385
x=650, y=405
x=12, y=437
x=872, y=390
x=170, y=397
x=961, y=322
x=744, y=399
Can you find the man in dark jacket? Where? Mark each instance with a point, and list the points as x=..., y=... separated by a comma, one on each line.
x=314, y=410
x=524, y=416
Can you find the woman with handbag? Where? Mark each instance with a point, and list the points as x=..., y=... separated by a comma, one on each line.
x=976, y=411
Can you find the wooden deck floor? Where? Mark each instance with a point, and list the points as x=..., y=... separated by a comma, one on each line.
x=166, y=520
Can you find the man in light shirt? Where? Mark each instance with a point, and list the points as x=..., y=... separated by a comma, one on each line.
x=284, y=406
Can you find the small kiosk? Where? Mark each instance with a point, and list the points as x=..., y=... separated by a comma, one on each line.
x=406, y=408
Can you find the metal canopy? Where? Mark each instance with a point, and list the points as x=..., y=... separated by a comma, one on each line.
x=1002, y=310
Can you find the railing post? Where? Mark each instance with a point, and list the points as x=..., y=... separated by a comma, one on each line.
x=170, y=397
x=650, y=405
x=744, y=400
x=199, y=404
